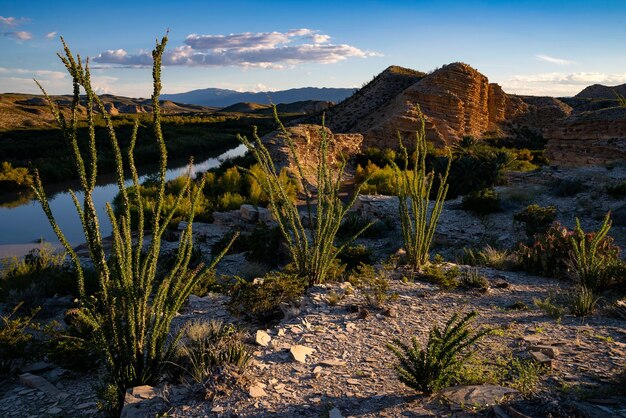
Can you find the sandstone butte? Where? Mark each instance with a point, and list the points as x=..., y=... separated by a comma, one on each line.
x=456, y=101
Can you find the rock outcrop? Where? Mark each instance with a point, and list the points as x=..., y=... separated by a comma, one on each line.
x=456, y=101
x=598, y=91
x=588, y=138
x=306, y=139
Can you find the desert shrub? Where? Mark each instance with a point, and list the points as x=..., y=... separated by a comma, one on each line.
x=590, y=267
x=617, y=191
x=71, y=347
x=354, y=222
x=549, y=307
x=430, y=369
x=262, y=299
x=208, y=348
x=310, y=243
x=40, y=274
x=567, y=187
x=482, y=202
x=354, y=255
x=524, y=375
x=446, y=277
x=262, y=244
x=536, y=219
x=472, y=279
x=376, y=180
x=489, y=257
x=550, y=254
x=418, y=217
x=373, y=283
x=583, y=301
x=15, y=338
x=134, y=308
x=14, y=178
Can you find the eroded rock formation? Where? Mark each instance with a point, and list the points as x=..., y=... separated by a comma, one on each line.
x=306, y=139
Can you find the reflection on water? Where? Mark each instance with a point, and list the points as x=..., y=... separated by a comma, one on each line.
x=27, y=223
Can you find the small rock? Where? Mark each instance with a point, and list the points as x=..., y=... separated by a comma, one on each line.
x=263, y=338
x=257, y=391
x=353, y=382
x=333, y=363
x=55, y=410
x=335, y=413
x=548, y=350
x=541, y=358
x=391, y=313
x=299, y=352
x=217, y=409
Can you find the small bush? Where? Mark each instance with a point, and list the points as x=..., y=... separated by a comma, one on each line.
x=524, y=375
x=431, y=369
x=354, y=255
x=489, y=257
x=583, y=301
x=537, y=219
x=567, y=187
x=549, y=307
x=353, y=223
x=71, y=347
x=482, y=202
x=472, y=279
x=208, y=348
x=262, y=299
x=447, y=278
x=15, y=338
x=550, y=254
x=373, y=283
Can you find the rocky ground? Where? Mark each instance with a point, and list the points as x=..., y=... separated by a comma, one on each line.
x=329, y=358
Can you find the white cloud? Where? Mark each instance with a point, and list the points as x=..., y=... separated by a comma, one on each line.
x=264, y=50
x=20, y=35
x=12, y=21
x=553, y=60
x=51, y=35
x=47, y=74
x=559, y=84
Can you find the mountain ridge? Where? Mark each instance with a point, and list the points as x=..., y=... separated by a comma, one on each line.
x=215, y=97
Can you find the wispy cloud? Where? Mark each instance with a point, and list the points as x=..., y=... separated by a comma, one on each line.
x=12, y=21
x=19, y=35
x=33, y=73
x=51, y=35
x=558, y=83
x=553, y=60
x=264, y=50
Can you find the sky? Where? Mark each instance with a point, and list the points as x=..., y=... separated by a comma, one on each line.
x=544, y=47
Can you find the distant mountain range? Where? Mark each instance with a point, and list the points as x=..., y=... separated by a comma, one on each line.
x=221, y=97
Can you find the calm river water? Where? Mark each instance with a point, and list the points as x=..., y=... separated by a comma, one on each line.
x=22, y=226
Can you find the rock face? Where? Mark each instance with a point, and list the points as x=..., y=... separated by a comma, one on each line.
x=588, y=138
x=456, y=100
x=306, y=139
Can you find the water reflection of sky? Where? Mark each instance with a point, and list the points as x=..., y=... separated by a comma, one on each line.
x=27, y=223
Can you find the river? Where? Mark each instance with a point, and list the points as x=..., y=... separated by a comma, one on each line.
x=23, y=226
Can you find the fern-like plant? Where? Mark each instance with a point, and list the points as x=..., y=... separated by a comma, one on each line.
x=432, y=368
x=310, y=242
x=418, y=216
x=588, y=265
x=133, y=309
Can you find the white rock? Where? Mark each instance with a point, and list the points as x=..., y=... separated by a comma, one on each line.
x=299, y=352
x=263, y=338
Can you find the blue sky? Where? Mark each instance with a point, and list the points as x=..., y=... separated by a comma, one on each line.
x=529, y=47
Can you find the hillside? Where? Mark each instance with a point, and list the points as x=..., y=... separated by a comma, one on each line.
x=223, y=98
x=29, y=111
x=304, y=107
x=598, y=91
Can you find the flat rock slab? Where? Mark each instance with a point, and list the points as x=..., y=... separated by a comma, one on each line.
x=299, y=352
x=478, y=395
x=38, y=382
x=332, y=363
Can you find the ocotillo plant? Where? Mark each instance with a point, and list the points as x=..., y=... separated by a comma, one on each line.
x=132, y=312
x=589, y=267
x=311, y=243
x=417, y=217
